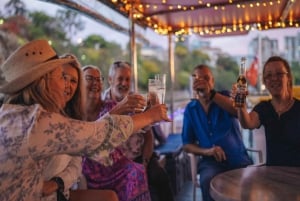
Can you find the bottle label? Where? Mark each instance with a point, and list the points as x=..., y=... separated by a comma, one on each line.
x=240, y=97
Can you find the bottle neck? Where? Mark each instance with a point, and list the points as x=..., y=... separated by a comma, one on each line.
x=242, y=68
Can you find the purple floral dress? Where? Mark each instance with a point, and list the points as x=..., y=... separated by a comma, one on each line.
x=127, y=178
x=30, y=136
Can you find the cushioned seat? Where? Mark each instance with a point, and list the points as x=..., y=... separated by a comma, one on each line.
x=173, y=145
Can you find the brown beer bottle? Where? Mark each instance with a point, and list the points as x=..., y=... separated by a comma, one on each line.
x=240, y=98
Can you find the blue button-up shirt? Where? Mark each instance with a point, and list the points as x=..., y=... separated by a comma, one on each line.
x=217, y=127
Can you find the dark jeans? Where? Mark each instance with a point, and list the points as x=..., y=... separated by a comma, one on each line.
x=207, y=170
x=158, y=180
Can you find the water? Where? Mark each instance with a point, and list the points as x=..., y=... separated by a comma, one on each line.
x=161, y=94
x=158, y=91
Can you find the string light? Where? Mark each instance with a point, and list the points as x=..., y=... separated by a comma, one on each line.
x=184, y=28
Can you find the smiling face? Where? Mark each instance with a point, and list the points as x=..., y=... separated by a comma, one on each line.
x=71, y=80
x=93, y=83
x=120, y=83
x=277, y=78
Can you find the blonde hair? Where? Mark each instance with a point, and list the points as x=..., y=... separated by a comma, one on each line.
x=36, y=93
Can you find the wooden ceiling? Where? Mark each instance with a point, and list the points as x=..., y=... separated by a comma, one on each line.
x=209, y=18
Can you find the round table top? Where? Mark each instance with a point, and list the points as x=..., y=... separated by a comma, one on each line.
x=261, y=183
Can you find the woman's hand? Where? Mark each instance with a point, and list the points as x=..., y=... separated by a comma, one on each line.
x=130, y=104
x=158, y=113
x=49, y=187
x=234, y=90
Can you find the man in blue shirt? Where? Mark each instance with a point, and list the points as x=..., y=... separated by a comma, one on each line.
x=211, y=129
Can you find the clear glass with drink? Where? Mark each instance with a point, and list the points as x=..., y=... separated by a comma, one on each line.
x=161, y=87
x=158, y=86
x=157, y=90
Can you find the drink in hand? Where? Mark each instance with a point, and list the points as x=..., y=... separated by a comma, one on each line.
x=240, y=98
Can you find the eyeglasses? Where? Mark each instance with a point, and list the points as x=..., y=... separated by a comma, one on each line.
x=90, y=79
x=278, y=75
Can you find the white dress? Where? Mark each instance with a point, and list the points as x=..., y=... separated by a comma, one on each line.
x=68, y=168
x=29, y=136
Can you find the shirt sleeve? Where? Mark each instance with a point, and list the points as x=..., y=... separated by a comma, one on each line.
x=263, y=109
x=52, y=133
x=188, y=135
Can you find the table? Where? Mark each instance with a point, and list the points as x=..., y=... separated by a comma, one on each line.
x=261, y=183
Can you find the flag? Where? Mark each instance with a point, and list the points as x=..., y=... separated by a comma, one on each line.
x=252, y=72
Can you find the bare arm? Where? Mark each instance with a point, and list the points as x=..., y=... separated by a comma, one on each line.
x=216, y=151
x=154, y=114
x=225, y=103
x=129, y=104
x=248, y=120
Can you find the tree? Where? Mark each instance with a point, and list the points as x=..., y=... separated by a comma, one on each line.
x=45, y=26
x=70, y=21
x=295, y=66
x=94, y=50
x=227, y=63
x=226, y=72
x=15, y=7
x=185, y=62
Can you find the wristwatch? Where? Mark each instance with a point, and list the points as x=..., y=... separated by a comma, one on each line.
x=212, y=94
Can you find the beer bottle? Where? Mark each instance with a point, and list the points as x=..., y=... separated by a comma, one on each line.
x=240, y=97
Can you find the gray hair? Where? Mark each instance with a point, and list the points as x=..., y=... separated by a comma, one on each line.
x=116, y=65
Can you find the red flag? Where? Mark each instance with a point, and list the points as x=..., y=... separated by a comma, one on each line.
x=252, y=72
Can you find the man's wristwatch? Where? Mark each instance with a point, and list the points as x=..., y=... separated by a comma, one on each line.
x=60, y=183
x=212, y=94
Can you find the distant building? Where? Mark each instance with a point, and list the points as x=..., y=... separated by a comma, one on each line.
x=204, y=46
x=213, y=53
x=269, y=47
x=196, y=44
x=292, y=48
x=154, y=51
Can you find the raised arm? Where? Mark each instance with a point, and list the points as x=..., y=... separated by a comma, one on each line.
x=224, y=102
x=248, y=120
x=51, y=133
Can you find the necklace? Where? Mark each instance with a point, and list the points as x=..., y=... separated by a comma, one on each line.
x=281, y=109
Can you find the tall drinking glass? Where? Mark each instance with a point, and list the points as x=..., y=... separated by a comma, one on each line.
x=153, y=92
x=161, y=87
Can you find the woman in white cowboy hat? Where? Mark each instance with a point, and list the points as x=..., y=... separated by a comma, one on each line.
x=32, y=127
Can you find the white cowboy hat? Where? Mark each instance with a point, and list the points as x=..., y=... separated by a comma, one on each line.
x=27, y=64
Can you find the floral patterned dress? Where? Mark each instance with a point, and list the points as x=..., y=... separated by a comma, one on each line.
x=127, y=178
x=29, y=136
